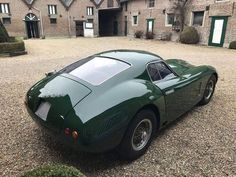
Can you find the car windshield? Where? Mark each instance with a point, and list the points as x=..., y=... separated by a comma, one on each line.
x=99, y=69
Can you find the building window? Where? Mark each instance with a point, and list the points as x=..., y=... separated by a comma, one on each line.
x=151, y=3
x=53, y=20
x=52, y=9
x=90, y=11
x=110, y=3
x=89, y=24
x=126, y=6
x=4, y=8
x=135, y=20
x=198, y=18
x=170, y=19
x=6, y=20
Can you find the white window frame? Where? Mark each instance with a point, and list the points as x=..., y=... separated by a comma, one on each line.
x=90, y=11
x=52, y=9
x=192, y=18
x=133, y=24
x=166, y=20
x=5, y=8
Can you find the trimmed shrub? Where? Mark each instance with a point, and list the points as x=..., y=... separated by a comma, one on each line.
x=4, y=37
x=14, y=45
x=232, y=45
x=54, y=171
x=189, y=35
x=150, y=35
x=166, y=36
x=138, y=34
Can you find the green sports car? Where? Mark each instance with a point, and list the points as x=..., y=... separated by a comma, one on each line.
x=118, y=99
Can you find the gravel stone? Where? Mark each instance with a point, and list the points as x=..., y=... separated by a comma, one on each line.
x=200, y=143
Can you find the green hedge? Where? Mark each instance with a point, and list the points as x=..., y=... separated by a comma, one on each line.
x=189, y=35
x=15, y=45
x=232, y=45
x=54, y=171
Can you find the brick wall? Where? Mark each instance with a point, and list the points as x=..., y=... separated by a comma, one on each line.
x=158, y=13
x=224, y=8
x=61, y=27
x=66, y=19
x=78, y=11
x=104, y=4
x=17, y=26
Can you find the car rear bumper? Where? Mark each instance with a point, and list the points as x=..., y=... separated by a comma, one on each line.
x=94, y=145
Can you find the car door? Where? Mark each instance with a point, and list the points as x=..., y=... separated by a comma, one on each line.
x=177, y=90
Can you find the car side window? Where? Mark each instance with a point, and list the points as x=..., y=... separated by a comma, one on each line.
x=153, y=72
x=159, y=71
x=164, y=71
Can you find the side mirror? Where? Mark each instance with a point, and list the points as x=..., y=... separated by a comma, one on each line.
x=50, y=73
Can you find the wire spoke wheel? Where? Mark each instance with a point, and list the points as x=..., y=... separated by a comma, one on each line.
x=209, y=89
x=141, y=135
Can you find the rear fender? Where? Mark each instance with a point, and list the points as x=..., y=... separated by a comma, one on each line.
x=114, y=109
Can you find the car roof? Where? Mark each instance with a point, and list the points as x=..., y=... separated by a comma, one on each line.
x=134, y=57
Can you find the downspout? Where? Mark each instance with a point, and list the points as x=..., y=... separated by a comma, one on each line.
x=69, y=25
x=41, y=20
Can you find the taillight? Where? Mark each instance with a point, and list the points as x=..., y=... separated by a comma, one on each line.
x=67, y=131
x=75, y=134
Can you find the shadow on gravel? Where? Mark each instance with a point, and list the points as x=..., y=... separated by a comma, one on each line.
x=174, y=123
x=90, y=164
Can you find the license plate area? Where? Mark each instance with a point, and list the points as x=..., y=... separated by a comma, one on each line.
x=43, y=109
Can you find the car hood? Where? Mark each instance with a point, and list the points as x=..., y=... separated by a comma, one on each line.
x=60, y=92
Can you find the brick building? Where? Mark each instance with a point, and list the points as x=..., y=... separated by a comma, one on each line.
x=215, y=20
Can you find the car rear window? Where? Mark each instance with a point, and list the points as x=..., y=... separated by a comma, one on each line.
x=99, y=69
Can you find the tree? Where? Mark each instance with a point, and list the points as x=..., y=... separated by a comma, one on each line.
x=179, y=9
x=4, y=37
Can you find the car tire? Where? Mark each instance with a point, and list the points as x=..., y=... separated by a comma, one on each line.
x=139, y=135
x=209, y=91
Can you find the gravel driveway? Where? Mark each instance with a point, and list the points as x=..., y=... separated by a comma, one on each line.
x=201, y=143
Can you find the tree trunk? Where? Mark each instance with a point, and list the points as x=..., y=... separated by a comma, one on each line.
x=179, y=7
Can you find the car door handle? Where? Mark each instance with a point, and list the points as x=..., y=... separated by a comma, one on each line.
x=169, y=92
